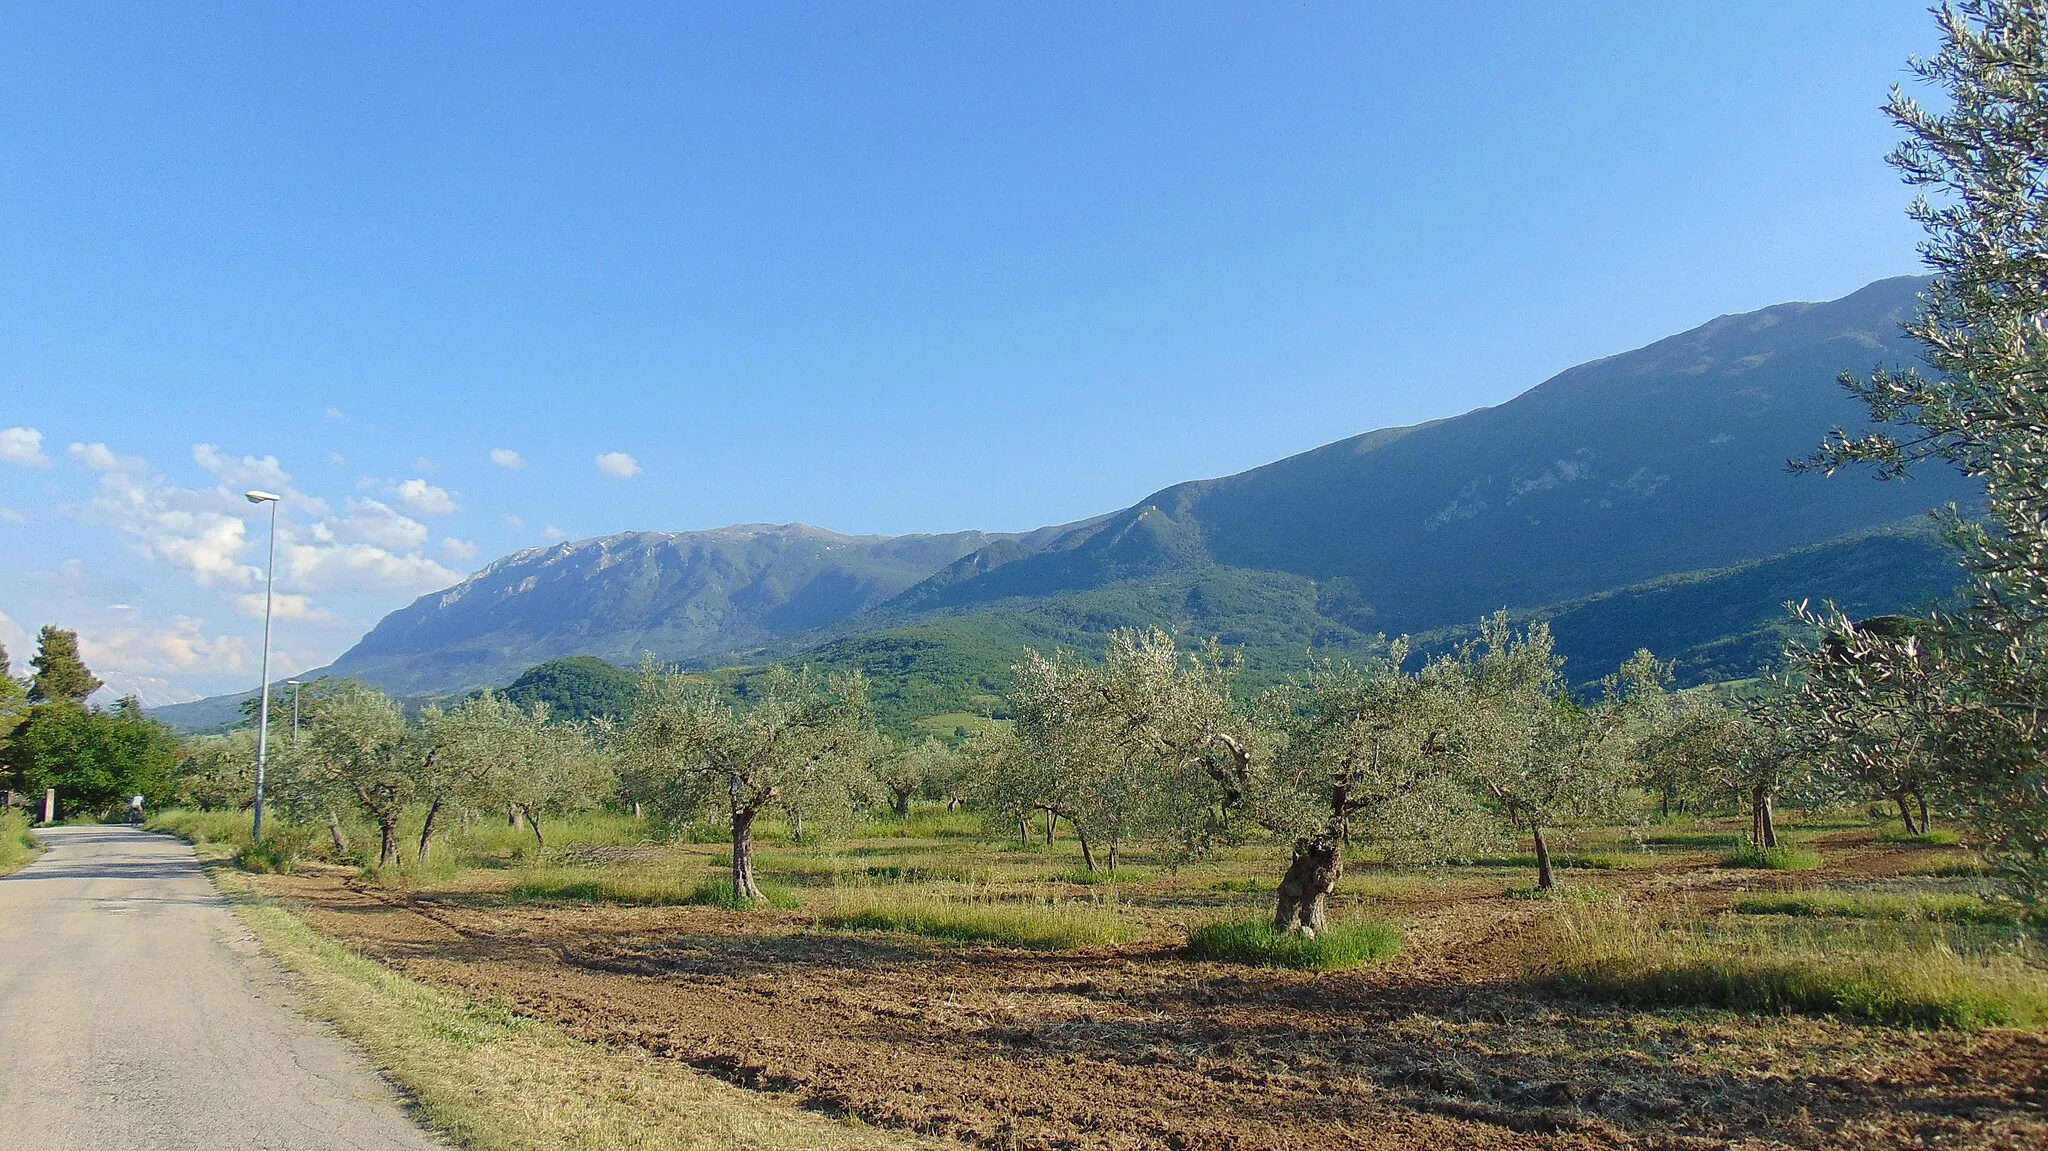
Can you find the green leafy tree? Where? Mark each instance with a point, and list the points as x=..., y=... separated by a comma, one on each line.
x=1360, y=755
x=691, y=750
x=60, y=674
x=13, y=704
x=516, y=759
x=908, y=771
x=217, y=772
x=1150, y=744
x=1982, y=671
x=1000, y=780
x=96, y=758
x=362, y=750
x=1542, y=761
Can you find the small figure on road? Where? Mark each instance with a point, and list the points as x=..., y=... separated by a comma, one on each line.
x=135, y=809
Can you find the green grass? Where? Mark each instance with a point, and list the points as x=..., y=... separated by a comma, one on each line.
x=1888, y=974
x=1247, y=885
x=1253, y=941
x=1103, y=876
x=17, y=845
x=635, y=889
x=1900, y=908
x=1584, y=861
x=1694, y=840
x=1771, y=858
x=925, y=822
x=1044, y=926
x=1936, y=838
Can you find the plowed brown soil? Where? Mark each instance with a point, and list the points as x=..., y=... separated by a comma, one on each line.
x=1444, y=1047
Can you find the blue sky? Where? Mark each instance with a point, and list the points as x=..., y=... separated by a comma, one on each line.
x=883, y=268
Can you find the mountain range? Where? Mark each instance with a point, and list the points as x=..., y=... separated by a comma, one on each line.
x=1639, y=499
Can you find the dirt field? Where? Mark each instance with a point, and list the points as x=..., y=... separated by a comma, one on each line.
x=1136, y=1046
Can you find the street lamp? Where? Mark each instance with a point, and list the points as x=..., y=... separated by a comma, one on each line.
x=263, y=708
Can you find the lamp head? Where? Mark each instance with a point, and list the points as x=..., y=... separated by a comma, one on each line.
x=256, y=497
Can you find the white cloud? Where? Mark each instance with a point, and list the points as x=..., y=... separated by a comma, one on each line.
x=336, y=458
x=420, y=496
x=458, y=549
x=359, y=567
x=378, y=524
x=181, y=646
x=247, y=472
x=101, y=458
x=12, y=516
x=16, y=641
x=507, y=458
x=283, y=606
x=552, y=532
x=23, y=446
x=514, y=522
x=335, y=414
x=618, y=465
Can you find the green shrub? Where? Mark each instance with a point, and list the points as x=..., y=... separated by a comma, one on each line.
x=1771, y=858
x=17, y=844
x=1253, y=941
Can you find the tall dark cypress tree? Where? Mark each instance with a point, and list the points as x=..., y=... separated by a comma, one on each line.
x=60, y=673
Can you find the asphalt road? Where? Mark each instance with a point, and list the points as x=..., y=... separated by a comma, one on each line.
x=137, y=1012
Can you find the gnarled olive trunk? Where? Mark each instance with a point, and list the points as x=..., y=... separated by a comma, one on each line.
x=1763, y=827
x=334, y=833
x=1906, y=815
x=1087, y=849
x=902, y=804
x=1545, y=877
x=743, y=885
x=1312, y=874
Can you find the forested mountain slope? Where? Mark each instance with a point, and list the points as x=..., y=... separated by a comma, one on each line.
x=1669, y=458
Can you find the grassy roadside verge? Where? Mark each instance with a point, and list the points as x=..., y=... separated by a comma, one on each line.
x=494, y=1081
x=17, y=847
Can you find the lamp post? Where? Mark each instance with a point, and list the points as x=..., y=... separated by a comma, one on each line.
x=263, y=708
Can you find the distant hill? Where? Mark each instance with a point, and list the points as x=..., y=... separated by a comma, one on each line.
x=679, y=595
x=1637, y=500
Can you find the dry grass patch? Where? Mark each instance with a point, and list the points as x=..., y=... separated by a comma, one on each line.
x=494, y=1081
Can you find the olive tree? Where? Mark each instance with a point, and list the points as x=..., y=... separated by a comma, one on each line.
x=515, y=759
x=363, y=749
x=907, y=771
x=1541, y=760
x=691, y=749
x=1358, y=755
x=1982, y=153
x=1149, y=744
